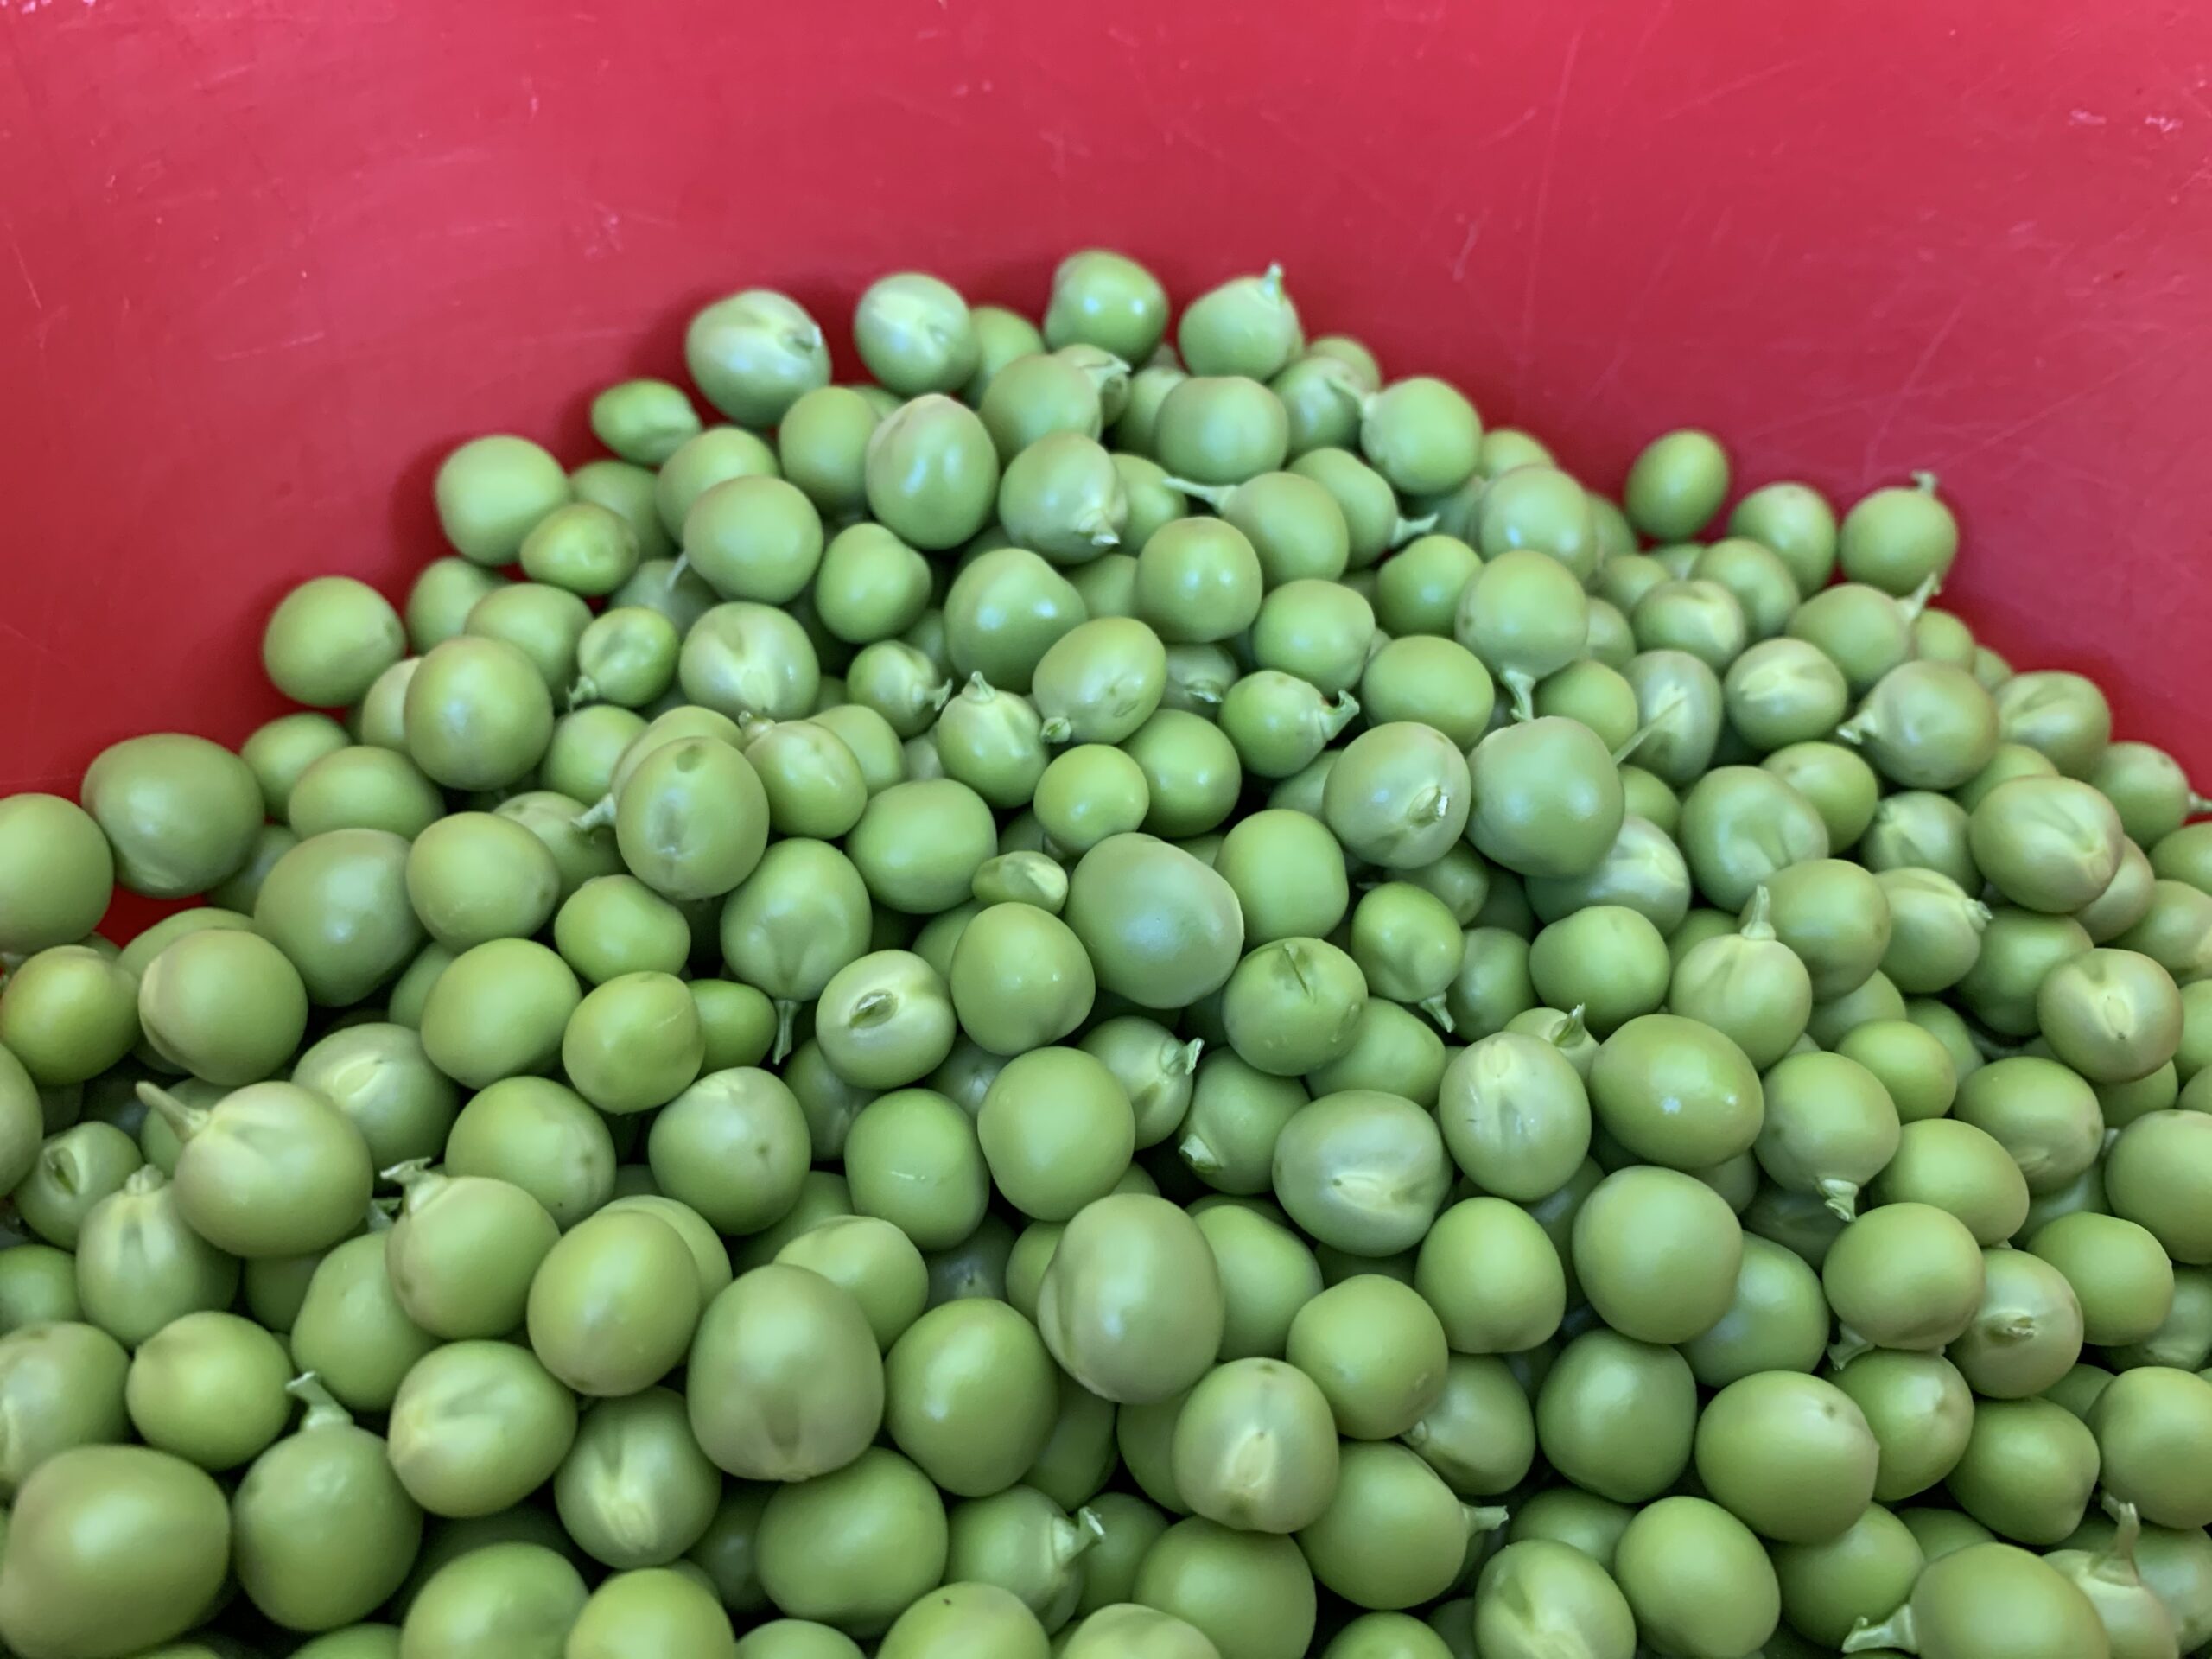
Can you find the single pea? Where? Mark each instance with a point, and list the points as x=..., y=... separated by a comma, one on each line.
x=1547, y=797
x=1492, y=985
x=440, y=598
x=915, y=333
x=1960, y=1168
x=1394, y=1535
x=72, y=1170
x=475, y=877
x=586, y=746
x=1246, y=326
x=1741, y=825
x=1919, y=1410
x=744, y=658
x=1777, y=1319
x=461, y=1255
x=1364, y=1171
x=588, y=1318
x=1607, y=960
x=2147, y=787
x=1676, y=484
x=492, y=491
x=2155, y=1174
x=1643, y=871
x=542, y=1137
x=643, y=420
x=583, y=547
x=2027, y=1334
x=932, y=473
x=1904, y=1275
x=1323, y=397
x=1676, y=1092
x=69, y=1013
x=1108, y=300
x=180, y=813
x=1541, y=509
x=2111, y=1015
x=1784, y=692
x=2045, y=1114
x=2174, y=930
x=328, y=639
x=322, y=1531
x=2020, y=948
x=914, y=1158
x=1280, y=722
x=1104, y=1309
x=626, y=490
x=633, y=1043
x=1829, y=1128
x=38, y=1286
x=2063, y=714
x=1898, y=537
x=1746, y=985
x=1220, y=429
x=753, y=354
x=1237, y=1114
x=1124, y=882
x=1056, y=1130
x=855, y=1547
x=269, y=1170
x=2028, y=1471
x=1679, y=702
x=1525, y=615
x=1420, y=434
x=517, y=1594
x=114, y=1549
x=1616, y=1416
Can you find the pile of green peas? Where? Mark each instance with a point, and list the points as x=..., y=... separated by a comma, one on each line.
x=1117, y=999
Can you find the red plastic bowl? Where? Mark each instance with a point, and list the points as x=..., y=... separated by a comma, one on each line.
x=261, y=265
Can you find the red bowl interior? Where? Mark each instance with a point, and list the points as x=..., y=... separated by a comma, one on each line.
x=260, y=265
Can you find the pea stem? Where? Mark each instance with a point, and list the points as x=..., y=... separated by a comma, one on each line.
x=1756, y=924
x=323, y=1409
x=1895, y=1632
x=186, y=1121
x=1842, y=1198
x=1214, y=495
x=1436, y=1009
x=1404, y=530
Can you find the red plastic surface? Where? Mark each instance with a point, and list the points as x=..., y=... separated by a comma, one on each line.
x=261, y=263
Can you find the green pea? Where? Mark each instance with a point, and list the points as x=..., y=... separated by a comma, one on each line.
x=1541, y=509
x=1056, y=1128
x=180, y=813
x=914, y=1158
x=440, y=598
x=1246, y=326
x=753, y=354
x=583, y=547
x=1680, y=700
x=627, y=491
x=1418, y=589
x=1221, y=429
x=542, y=1137
x=1394, y=1535
x=114, y=1549
x=587, y=1317
x=1420, y=434
x=633, y=1043
x=1904, y=1275
x=1676, y=484
x=744, y=658
x=519, y=1595
x=492, y=491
